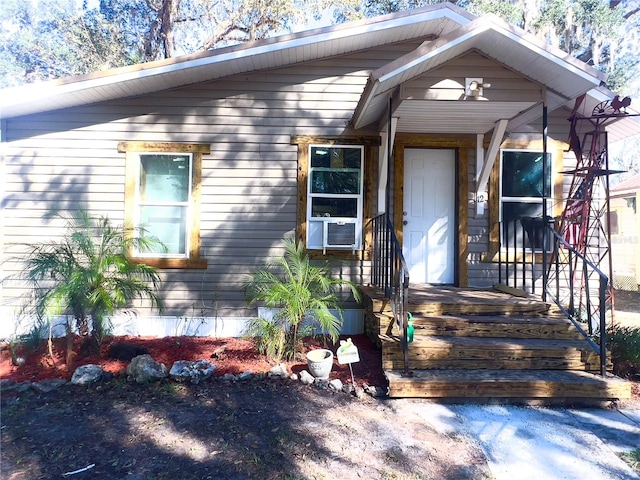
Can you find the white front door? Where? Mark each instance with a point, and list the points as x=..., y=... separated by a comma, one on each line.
x=429, y=215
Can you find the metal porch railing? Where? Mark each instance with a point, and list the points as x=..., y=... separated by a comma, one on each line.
x=535, y=258
x=391, y=275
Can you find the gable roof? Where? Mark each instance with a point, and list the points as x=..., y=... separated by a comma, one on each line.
x=431, y=21
x=446, y=31
x=563, y=76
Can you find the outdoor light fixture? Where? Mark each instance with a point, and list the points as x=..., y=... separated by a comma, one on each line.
x=474, y=89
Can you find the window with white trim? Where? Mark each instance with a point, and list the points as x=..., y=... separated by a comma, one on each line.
x=521, y=194
x=334, y=197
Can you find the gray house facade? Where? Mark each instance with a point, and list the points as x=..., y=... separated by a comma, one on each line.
x=430, y=115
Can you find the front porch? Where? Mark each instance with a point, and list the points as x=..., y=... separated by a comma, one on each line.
x=486, y=345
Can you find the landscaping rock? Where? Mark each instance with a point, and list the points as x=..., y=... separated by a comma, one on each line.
x=144, y=369
x=294, y=377
x=347, y=388
x=375, y=392
x=195, y=372
x=335, y=384
x=87, y=374
x=279, y=371
x=46, y=386
x=321, y=383
x=229, y=377
x=306, y=378
x=245, y=375
x=18, y=361
x=359, y=392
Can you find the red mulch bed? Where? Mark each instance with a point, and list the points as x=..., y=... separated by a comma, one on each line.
x=238, y=356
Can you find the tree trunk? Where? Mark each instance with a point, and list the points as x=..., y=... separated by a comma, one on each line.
x=69, y=356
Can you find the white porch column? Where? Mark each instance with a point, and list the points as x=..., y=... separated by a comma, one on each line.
x=383, y=162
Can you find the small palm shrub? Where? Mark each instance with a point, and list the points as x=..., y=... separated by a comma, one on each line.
x=304, y=295
x=88, y=275
x=624, y=343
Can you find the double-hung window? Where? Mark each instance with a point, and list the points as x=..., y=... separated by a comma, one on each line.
x=523, y=189
x=163, y=191
x=334, y=197
x=162, y=200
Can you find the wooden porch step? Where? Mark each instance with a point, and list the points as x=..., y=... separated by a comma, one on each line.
x=496, y=326
x=431, y=352
x=455, y=301
x=507, y=384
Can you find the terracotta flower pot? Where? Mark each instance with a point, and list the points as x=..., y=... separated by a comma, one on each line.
x=320, y=362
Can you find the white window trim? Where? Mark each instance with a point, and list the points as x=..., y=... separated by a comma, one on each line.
x=324, y=220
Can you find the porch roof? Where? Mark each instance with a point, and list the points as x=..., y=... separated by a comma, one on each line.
x=627, y=187
x=563, y=77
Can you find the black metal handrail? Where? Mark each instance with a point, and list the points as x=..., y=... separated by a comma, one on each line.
x=391, y=274
x=567, y=278
x=570, y=274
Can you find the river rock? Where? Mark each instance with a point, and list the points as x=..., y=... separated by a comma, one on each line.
x=335, y=384
x=375, y=392
x=306, y=378
x=229, y=377
x=87, y=374
x=144, y=369
x=279, y=371
x=195, y=372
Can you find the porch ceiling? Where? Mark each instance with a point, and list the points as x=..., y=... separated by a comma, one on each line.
x=462, y=117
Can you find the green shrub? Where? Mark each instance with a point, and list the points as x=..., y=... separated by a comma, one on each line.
x=304, y=293
x=88, y=275
x=624, y=343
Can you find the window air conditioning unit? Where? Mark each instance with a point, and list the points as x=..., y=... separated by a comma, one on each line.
x=339, y=234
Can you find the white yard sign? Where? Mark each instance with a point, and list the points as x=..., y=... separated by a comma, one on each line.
x=347, y=352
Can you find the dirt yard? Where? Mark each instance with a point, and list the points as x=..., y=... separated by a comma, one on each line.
x=259, y=428
x=255, y=429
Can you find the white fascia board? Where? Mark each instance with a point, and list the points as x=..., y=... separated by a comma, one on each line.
x=13, y=97
x=477, y=28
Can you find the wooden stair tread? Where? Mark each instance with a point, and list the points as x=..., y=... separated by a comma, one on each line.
x=496, y=326
x=490, y=319
x=506, y=384
x=495, y=376
x=431, y=341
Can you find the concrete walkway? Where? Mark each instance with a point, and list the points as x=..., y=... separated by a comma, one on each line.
x=522, y=443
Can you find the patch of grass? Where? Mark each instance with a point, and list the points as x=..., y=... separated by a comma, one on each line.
x=632, y=458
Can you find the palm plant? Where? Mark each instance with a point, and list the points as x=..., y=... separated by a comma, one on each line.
x=303, y=293
x=88, y=275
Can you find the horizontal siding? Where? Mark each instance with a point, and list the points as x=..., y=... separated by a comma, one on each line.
x=70, y=158
x=448, y=81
